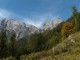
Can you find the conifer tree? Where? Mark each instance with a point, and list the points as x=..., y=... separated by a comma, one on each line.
x=75, y=17
x=13, y=43
x=3, y=40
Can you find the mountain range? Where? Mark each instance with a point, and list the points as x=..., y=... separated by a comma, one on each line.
x=22, y=29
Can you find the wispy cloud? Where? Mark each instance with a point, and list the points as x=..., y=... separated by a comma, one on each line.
x=4, y=13
x=32, y=22
x=8, y=14
x=36, y=20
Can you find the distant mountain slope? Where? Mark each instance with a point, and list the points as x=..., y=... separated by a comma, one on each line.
x=51, y=24
x=21, y=29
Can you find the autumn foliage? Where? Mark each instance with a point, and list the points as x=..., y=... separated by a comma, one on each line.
x=66, y=29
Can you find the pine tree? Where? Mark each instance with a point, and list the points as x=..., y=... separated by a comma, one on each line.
x=3, y=40
x=75, y=17
x=12, y=43
x=41, y=42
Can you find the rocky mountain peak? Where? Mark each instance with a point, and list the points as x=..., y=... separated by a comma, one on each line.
x=51, y=24
x=21, y=29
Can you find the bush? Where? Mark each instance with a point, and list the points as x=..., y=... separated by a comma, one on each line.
x=9, y=58
x=35, y=56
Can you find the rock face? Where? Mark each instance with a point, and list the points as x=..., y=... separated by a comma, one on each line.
x=51, y=24
x=21, y=29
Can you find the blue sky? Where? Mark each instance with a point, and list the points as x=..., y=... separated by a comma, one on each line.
x=37, y=11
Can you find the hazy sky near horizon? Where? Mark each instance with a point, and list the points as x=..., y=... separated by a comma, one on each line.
x=37, y=11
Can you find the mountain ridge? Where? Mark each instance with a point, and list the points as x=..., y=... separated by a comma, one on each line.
x=51, y=24
x=22, y=29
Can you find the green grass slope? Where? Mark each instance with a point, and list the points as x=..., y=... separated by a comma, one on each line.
x=69, y=49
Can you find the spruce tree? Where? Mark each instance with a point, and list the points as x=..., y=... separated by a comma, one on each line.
x=75, y=17
x=3, y=40
x=13, y=44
